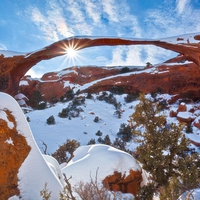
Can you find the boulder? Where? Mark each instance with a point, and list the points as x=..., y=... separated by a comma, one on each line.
x=125, y=183
x=185, y=117
x=11, y=143
x=182, y=107
x=172, y=113
x=23, y=170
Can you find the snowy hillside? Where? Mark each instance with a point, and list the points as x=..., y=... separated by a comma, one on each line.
x=82, y=128
x=38, y=170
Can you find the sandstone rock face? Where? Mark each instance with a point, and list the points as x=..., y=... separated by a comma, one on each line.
x=183, y=79
x=172, y=113
x=124, y=183
x=12, y=69
x=182, y=108
x=23, y=170
x=14, y=149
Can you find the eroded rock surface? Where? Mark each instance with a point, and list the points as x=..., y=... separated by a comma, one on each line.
x=124, y=183
x=13, y=149
x=12, y=69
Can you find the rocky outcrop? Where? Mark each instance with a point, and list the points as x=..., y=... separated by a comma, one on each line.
x=14, y=149
x=124, y=183
x=180, y=80
x=12, y=69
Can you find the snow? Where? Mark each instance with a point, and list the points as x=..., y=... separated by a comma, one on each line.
x=55, y=135
x=23, y=83
x=9, y=141
x=186, y=38
x=4, y=116
x=38, y=169
x=195, y=195
x=34, y=171
x=100, y=159
x=185, y=115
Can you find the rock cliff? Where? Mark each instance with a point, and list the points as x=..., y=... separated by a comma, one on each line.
x=182, y=79
x=12, y=69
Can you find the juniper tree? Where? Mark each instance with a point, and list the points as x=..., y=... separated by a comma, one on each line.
x=163, y=148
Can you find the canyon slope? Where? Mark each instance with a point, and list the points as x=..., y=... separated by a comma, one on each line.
x=181, y=79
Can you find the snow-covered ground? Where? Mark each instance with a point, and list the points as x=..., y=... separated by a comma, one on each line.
x=83, y=128
x=38, y=170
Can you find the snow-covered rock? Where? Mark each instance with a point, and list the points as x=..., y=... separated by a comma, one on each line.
x=24, y=162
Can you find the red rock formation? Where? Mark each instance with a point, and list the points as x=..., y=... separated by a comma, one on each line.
x=14, y=149
x=12, y=69
x=172, y=113
x=124, y=183
x=185, y=117
x=182, y=81
x=182, y=108
x=197, y=124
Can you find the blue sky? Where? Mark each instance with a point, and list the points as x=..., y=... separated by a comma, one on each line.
x=28, y=25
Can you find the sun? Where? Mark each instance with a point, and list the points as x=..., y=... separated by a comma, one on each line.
x=71, y=52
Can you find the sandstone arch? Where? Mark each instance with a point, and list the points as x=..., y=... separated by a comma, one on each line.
x=13, y=68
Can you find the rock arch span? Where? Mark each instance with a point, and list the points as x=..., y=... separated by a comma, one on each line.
x=12, y=69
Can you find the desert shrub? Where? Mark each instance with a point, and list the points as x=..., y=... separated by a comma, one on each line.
x=97, y=119
x=35, y=98
x=111, y=99
x=108, y=98
x=45, y=193
x=162, y=105
x=105, y=140
x=51, y=120
x=102, y=96
x=93, y=190
x=64, y=113
x=146, y=192
x=28, y=119
x=71, y=111
x=92, y=141
x=117, y=105
x=67, y=193
x=158, y=90
x=65, y=152
x=69, y=95
x=124, y=70
x=171, y=171
x=89, y=96
x=189, y=128
x=132, y=96
x=78, y=101
x=120, y=144
x=98, y=133
x=42, y=105
x=125, y=132
x=118, y=113
x=117, y=89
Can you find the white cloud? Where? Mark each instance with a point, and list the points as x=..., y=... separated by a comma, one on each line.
x=52, y=24
x=167, y=22
x=43, y=24
x=93, y=10
x=139, y=55
x=110, y=8
x=3, y=47
x=55, y=16
x=181, y=5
